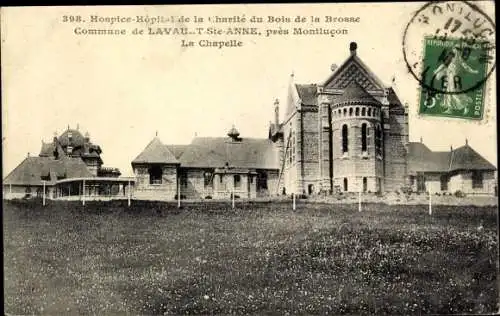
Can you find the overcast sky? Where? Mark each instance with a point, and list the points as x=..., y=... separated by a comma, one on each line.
x=123, y=90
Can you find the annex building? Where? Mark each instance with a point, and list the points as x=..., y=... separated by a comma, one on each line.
x=69, y=167
x=348, y=133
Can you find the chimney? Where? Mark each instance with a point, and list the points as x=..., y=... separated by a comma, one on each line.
x=276, y=112
x=451, y=148
x=87, y=137
x=421, y=140
x=466, y=142
x=352, y=47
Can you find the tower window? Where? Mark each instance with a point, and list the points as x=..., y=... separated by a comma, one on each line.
x=378, y=141
x=350, y=111
x=345, y=140
x=345, y=185
x=363, y=111
x=345, y=112
x=357, y=111
x=369, y=112
x=364, y=132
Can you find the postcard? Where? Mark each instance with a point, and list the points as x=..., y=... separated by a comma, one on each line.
x=332, y=158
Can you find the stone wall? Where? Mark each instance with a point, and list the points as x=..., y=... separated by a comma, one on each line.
x=463, y=182
x=395, y=149
x=164, y=191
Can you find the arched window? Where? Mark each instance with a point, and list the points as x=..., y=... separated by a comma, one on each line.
x=345, y=140
x=350, y=111
x=345, y=112
x=345, y=185
x=365, y=184
x=378, y=141
x=357, y=111
x=363, y=111
x=369, y=111
x=364, y=133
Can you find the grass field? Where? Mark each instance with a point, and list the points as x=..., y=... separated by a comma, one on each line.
x=260, y=258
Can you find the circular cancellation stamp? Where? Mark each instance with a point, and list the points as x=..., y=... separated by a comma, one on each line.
x=449, y=48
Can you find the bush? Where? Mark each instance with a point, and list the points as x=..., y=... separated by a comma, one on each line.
x=459, y=194
x=208, y=197
x=406, y=190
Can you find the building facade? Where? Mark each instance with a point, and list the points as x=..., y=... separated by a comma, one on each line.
x=209, y=167
x=69, y=167
x=346, y=134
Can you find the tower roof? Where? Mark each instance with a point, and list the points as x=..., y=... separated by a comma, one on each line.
x=355, y=93
x=76, y=139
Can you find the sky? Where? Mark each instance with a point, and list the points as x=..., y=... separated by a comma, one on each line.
x=125, y=89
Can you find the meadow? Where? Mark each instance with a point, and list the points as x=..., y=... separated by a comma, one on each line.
x=259, y=258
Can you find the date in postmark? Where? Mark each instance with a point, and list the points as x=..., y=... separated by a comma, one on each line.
x=448, y=47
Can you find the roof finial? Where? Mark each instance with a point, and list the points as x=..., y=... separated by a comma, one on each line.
x=421, y=139
x=466, y=142
x=28, y=154
x=156, y=133
x=68, y=127
x=451, y=148
x=352, y=47
x=292, y=74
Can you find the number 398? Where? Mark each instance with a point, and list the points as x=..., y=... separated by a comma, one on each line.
x=72, y=18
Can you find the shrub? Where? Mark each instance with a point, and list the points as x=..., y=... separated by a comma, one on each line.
x=406, y=189
x=208, y=197
x=459, y=194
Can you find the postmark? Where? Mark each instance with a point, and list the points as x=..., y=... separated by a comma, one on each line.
x=448, y=48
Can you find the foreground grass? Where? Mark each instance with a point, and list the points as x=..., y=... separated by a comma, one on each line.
x=260, y=258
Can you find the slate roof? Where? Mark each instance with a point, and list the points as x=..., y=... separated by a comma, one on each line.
x=177, y=150
x=307, y=93
x=354, y=92
x=77, y=138
x=156, y=152
x=215, y=152
x=467, y=158
x=32, y=169
x=422, y=159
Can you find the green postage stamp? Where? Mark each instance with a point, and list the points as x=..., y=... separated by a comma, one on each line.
x=453, y=78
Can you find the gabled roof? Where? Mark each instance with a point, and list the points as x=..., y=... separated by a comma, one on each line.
x=354, y=92
x=156, y=152
x=353, y=68
x=215, y=152
x=32, y=169
x=422, y=159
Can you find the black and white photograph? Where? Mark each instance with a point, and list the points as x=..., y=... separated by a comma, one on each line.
x=250, y=159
